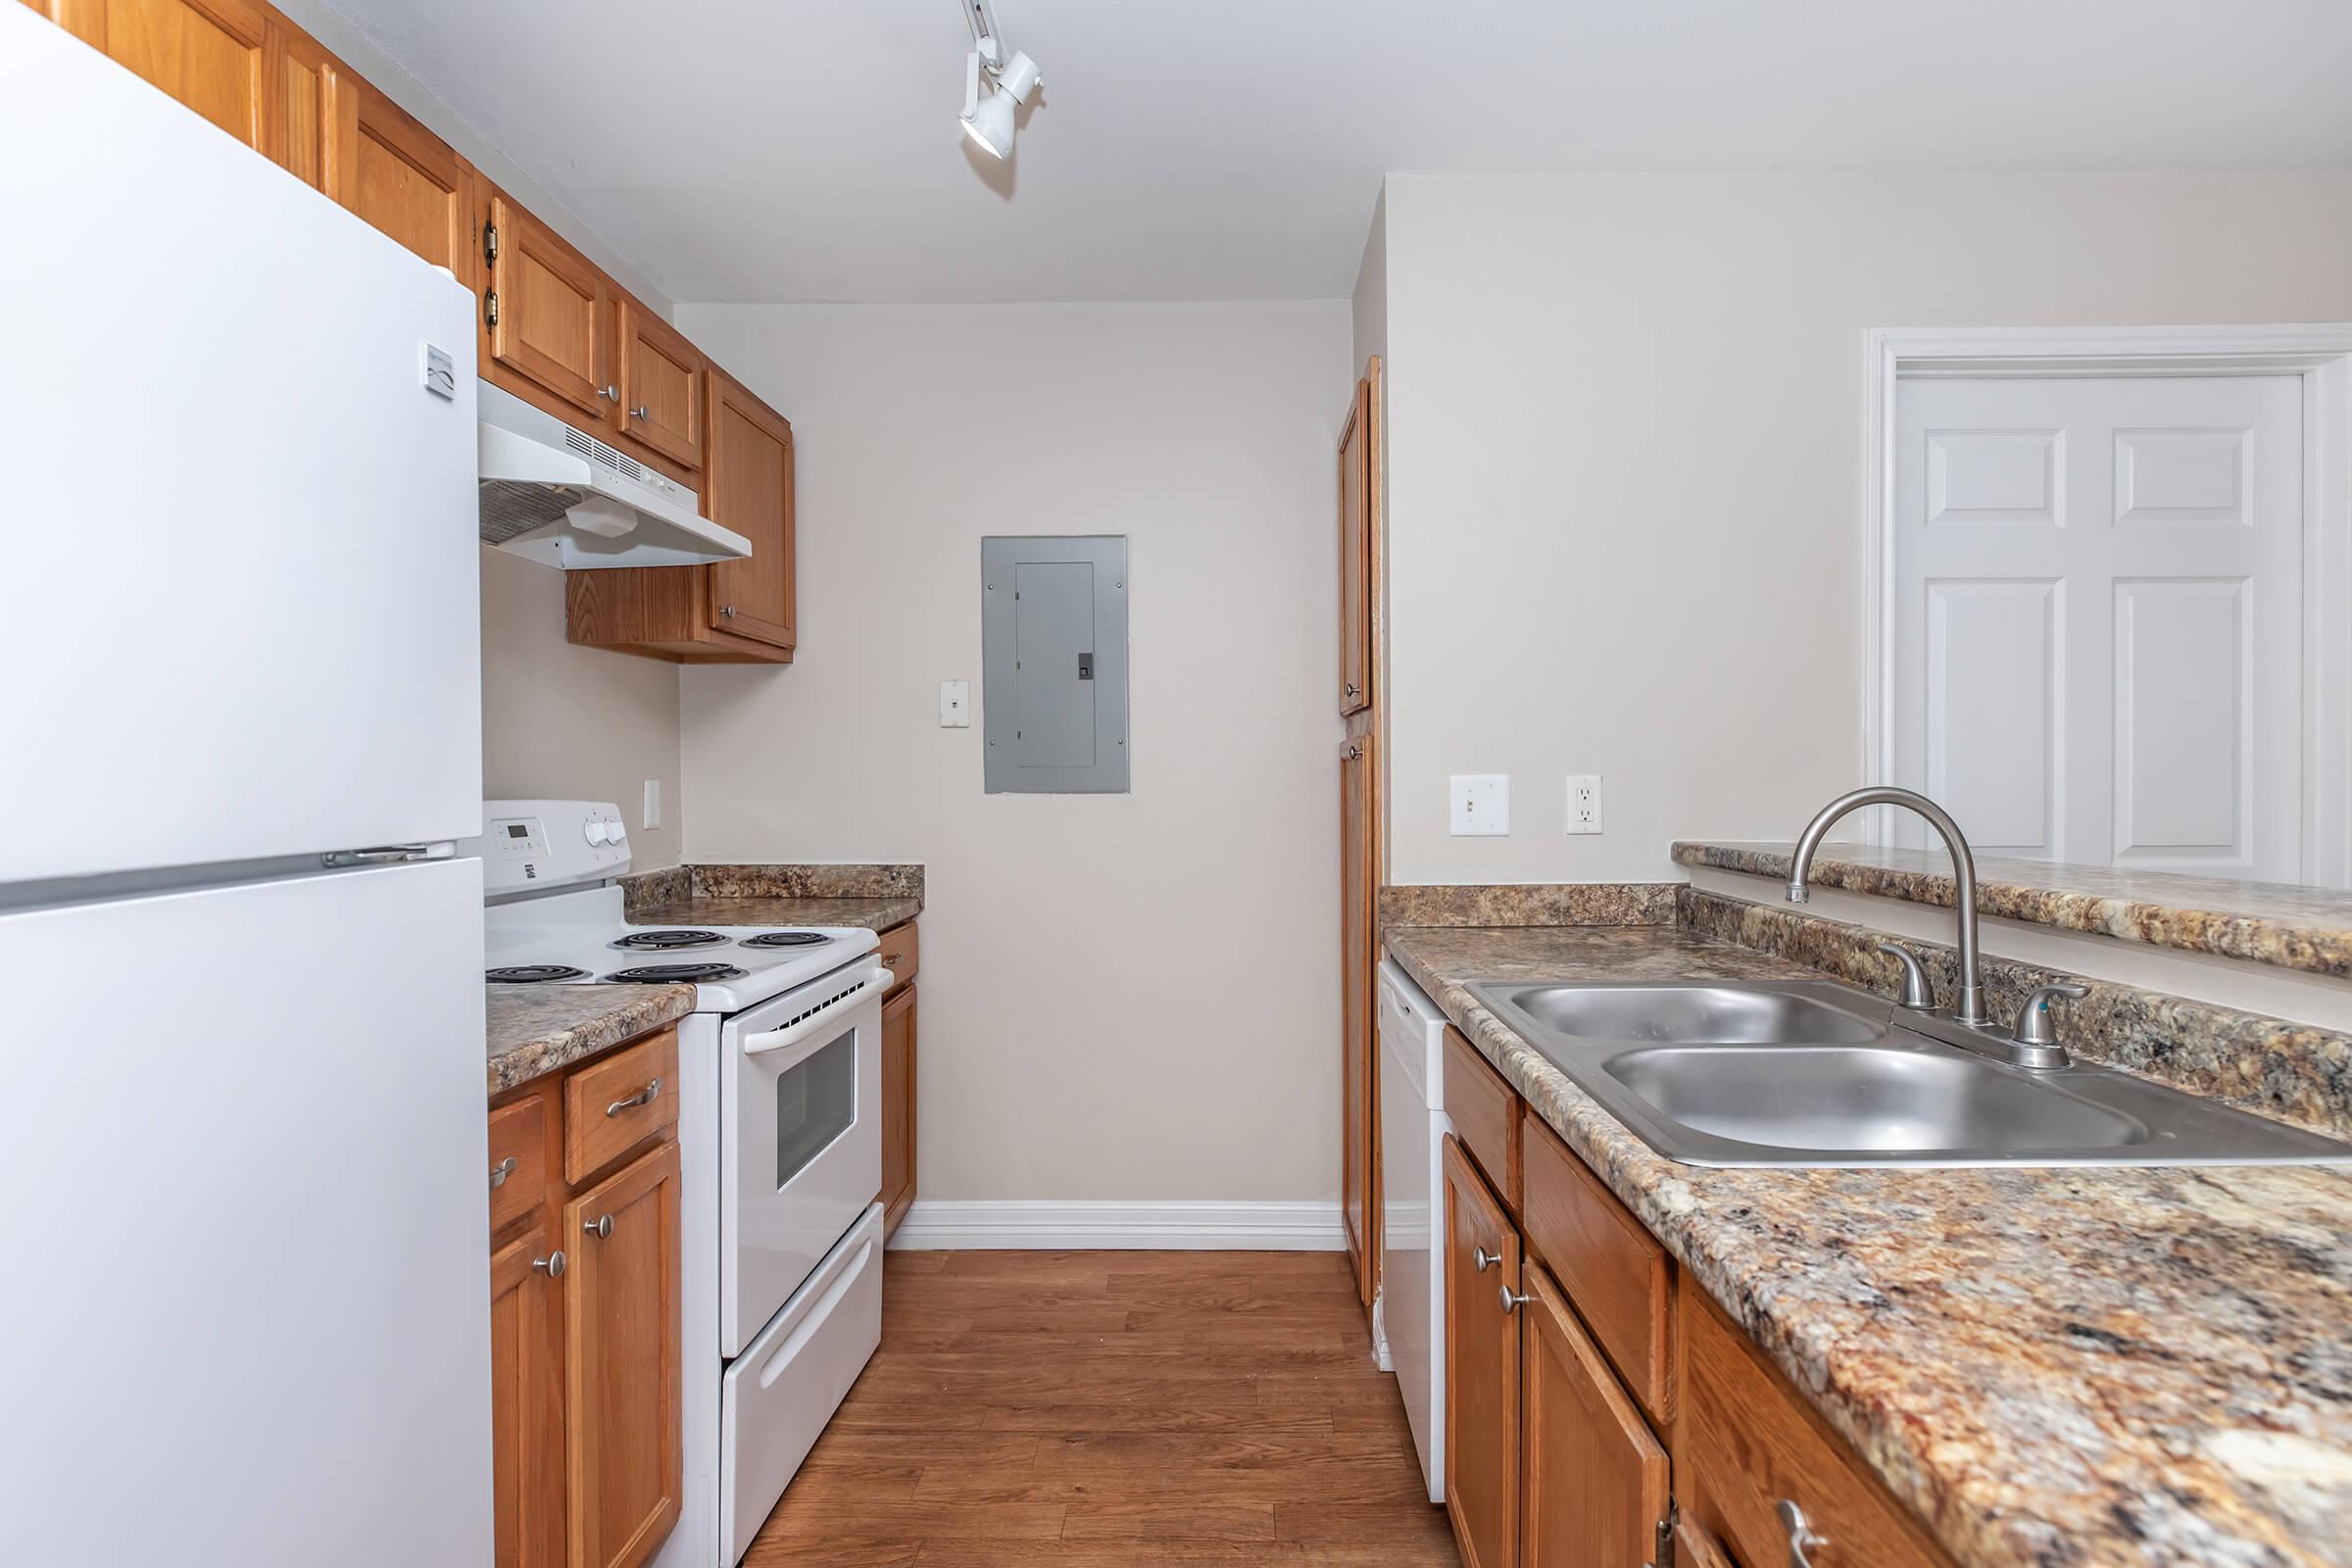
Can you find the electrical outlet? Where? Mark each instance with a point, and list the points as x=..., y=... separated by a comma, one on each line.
x=652, y=815
x=954, y=705
x=1480, y=804
x=1584, y=803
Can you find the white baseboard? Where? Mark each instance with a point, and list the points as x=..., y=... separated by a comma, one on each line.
x=1050, y=1224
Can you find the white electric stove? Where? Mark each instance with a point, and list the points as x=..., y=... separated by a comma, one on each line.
x=779, y=1141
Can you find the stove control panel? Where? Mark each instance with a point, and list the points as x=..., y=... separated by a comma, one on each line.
x=527, y=845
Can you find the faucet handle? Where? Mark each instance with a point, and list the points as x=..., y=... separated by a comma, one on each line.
x=2033, y=1024
x=1916, y=994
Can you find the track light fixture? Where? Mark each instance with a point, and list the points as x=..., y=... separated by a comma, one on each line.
x=992, y=84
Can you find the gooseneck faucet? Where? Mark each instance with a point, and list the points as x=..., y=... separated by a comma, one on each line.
x=1968, y=1006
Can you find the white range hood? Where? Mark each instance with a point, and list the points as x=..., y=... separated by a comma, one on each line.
x=558, y=495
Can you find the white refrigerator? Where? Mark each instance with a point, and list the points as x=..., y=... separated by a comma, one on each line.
x=243, y=1265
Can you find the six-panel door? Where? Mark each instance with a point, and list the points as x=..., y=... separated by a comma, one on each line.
x=621, y=1362
x=1594, y=1483
x=1481, y=1369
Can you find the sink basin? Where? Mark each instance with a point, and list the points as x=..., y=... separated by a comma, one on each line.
x=1700, y=1014
x=1846, y=1097
x=1816, y=1073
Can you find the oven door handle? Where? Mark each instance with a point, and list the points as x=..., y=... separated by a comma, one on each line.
x=765, y=1040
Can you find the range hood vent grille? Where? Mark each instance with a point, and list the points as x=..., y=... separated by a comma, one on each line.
x=595, y=450
x=511, y=509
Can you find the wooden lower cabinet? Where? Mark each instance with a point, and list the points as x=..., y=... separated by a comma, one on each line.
x=587, y=1459
x=1481, y=1368
x=1593, y=1491
x=897, y=1107
x=1359, y=1048
x=620, y=1363
x=1551, y=1462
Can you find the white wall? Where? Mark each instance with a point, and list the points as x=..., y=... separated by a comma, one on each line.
x=1625, y=462
x=1125, y=997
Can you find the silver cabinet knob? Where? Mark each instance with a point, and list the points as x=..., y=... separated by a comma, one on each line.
x=1352, y=689
x=501, y=1171
x=1483, y=1259
x=611, y=393
x=1800, y=1534
x=644, y=1097
x=639, y=412
x=727, y=610
x=551, y=1265
x=600, y=1226
x=1512, y=1302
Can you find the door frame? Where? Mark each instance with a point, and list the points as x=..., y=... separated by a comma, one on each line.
x=2320, y=353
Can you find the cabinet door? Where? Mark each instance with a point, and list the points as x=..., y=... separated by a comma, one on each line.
x=1481, y=1369
x=661, y=386
x=897, y=1107
x=620, y=1363
x=1359, y=1160
x=1355, y=554
x=1593, y=1488
x=313, y=122
x=404, y=179
x=553, y=310
x=211, y=55
x=527, y=1405
x=747, y=486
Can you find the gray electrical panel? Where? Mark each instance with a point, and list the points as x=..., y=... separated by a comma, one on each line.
x=1053, y=663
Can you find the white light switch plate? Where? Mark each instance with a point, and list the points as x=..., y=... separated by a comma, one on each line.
x=1584, y=803
x=1480, y=804
x=651, y=816
x=954, y=705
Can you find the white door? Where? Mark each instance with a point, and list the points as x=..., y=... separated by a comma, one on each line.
x=2099, y=618
x=248, y=1178
x=240, y=533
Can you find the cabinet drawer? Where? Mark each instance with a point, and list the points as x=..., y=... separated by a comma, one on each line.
x=1612, y=1268
x=899, y=953
x=518, y=1160
x=1746, y=1442
x=612, y=1106
x=1485, y=1112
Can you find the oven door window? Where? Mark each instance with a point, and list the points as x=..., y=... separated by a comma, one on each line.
x=816, y=1101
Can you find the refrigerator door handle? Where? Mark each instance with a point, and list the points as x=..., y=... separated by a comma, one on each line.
x=386, y=854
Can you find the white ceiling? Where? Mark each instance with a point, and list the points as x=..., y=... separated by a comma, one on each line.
x=1231, y=149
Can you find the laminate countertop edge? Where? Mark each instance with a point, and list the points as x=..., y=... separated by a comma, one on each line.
x=2048, y=1367
x=537, y=1030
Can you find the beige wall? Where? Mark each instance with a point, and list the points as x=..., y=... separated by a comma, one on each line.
x=1626, y=453
x=1125, y=997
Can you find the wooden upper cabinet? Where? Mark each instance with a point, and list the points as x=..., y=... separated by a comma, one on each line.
x=1360, y=1164
x=1594, y=1484
x=550, y=311
x=527, y=1402
x=747, y=487
x=1481, y=1369
x=1355, y=554
x=621, y=1362
x=211, y=55
x=662, y=378
x=404, y=179
x=313, y=117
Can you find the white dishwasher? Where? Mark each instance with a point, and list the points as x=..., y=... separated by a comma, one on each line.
x=1412, y=1181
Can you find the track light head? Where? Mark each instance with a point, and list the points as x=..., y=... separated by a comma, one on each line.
x=994, y=86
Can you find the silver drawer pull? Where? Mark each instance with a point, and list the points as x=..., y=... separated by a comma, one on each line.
x=551, y=1265
x=644, y=1097
x=600, y=1226
x=890, y=961
x=1512, y=1302
x=501, y=1171
x=1801, y=1537
x=1482, y=1259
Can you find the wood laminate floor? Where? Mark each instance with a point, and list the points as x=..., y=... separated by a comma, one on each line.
x=1089, y=1409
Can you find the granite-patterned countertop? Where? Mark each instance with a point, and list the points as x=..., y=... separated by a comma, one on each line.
x=534, y=1030
x=2051, y=1367
x=874, y=914
x=2287, y=925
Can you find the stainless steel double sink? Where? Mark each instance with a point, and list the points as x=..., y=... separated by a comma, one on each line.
x=1820, y=1074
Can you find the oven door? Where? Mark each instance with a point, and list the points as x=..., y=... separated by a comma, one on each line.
x=800, y=1140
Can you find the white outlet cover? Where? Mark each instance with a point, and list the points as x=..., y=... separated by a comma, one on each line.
x=1584, y=803
x=1479, y=804
x=651, y=816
